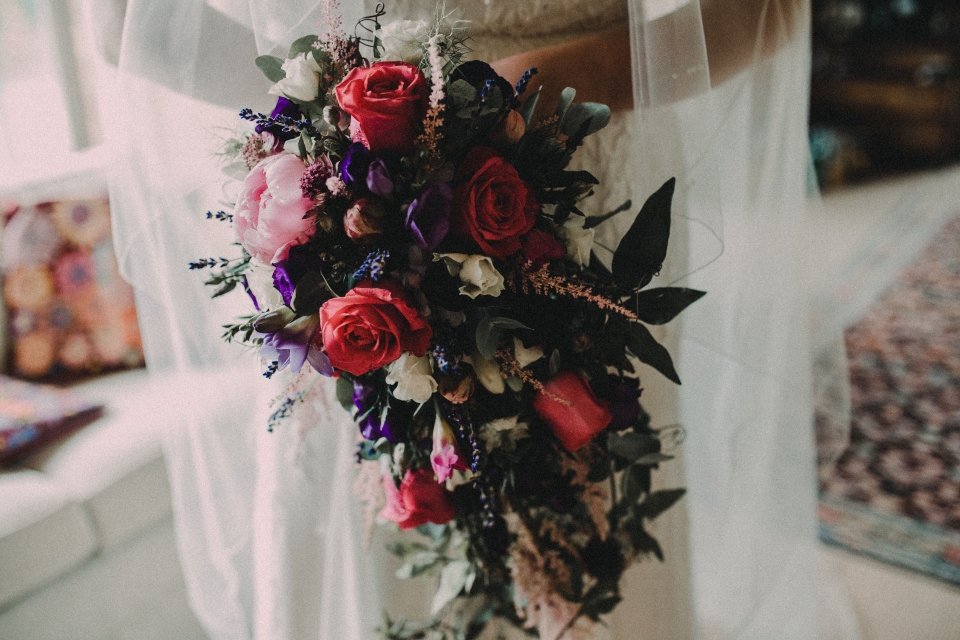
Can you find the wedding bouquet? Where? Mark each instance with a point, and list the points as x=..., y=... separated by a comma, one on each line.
x=409, y=226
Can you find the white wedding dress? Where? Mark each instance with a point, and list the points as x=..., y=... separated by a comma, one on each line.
x=268, y=529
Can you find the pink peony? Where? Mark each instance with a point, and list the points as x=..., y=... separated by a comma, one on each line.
x=270, y=213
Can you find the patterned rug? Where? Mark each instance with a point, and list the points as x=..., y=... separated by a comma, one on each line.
x=895, y=492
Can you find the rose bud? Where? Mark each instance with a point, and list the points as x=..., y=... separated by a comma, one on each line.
x=510, y=129
x=581, y=343
x=456, y=388
x=364, y=221
x=574, y=413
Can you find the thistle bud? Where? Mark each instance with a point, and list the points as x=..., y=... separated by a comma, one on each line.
x=456, y=388
x=510, y=129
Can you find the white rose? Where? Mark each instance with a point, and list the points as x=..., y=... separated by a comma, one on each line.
x=578, y=241
x=477, y=273
x=260, y=281
x=413, y=378
x=487, y=370
x=303, y=79
x=403, y=40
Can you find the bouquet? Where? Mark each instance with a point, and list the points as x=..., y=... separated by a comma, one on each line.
x=408, y=225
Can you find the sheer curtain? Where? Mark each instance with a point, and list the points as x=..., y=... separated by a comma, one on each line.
x=268, y=536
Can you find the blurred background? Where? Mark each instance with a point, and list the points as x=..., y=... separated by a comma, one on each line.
x=86, y=540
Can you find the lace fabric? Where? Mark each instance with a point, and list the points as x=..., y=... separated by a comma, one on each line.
x=268, y=533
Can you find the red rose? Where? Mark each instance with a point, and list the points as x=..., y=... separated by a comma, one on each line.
x=494, y=207
x=387, y=102
x=420, y=499
x=372, y=325
x=577, y=423
x=540, y=247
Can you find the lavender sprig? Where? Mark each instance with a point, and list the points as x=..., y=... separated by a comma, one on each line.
x=465, y=430
x=222, y=216
x=288, y=124
x=524, y=81
x=209, y=263
x=374, y=267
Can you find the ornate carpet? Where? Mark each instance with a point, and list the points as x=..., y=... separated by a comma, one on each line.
x=894, y=494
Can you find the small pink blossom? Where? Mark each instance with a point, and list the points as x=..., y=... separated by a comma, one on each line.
x=271, y=213
x=444, y=456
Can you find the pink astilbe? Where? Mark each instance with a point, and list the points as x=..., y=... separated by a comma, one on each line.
x=432, y=122
x=540, y=282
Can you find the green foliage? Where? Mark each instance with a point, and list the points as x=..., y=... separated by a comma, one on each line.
x=642, y=250
x=661, y=305
x=644, y=346
x=271, y=66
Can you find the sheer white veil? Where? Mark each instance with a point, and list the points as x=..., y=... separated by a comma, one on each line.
x=269, y=540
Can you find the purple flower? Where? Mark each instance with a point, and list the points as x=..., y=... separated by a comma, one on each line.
x=287, y=273
x=284, y=108
x=374, y=422
x=428, y=217
x=378, y=179
x=625, y=403
x=291, y=345
x=355, y=164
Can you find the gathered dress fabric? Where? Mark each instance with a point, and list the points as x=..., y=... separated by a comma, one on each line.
x=269, y=532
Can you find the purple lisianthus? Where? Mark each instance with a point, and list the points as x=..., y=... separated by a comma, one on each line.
x=355, y=164
x=292, y=344
x=378, y=179
x=287, y=273
x=375, y=423
x=625, y=403
x=284, y=108
x=428, y=217
x=477, y=73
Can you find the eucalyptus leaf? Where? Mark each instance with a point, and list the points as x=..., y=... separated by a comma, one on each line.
x=641, y=540
x=566, y=99
x=453, y=577
x=515, y=384
x=272, y=67
x=418, y=564
x=302, y=45
x=529, y=105
x=643, y=248
x=345, y=392
x=489, y=330
x=555, y=362
x=461, y=92
x=634, y=483
x=644, y=346
x=661, y=305
x=658, y=502
x=597, y=114
x=226, y=287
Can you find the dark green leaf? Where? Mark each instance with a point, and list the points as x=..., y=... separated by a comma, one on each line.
x=226, y=287
x=658, y=502
x=271, y=67
x=310, y=292
x=642, y=541
x=600, y=606
x=643, y=248
x=529, y=105
x=597, y=114
x=643, y=345
x=632, y=445
x=661, y=305
x=302, y=45
x=593, y=221
x=653, y=459
x=635, y=483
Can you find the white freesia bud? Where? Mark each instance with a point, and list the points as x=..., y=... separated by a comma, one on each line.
x=525, y=356
x=260, y=281
x=403, y=40
x=303, y=79
x=413, y=378
x=487, y=371
x=476, y=272
x=577, y=240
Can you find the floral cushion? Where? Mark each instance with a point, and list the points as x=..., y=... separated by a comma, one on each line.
x=32, y=415
x=69, y=313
